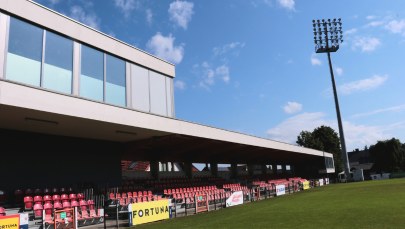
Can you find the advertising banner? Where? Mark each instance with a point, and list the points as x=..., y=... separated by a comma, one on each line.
x=10, y=222
x=280, y=189
x=24, y=220
x=321, y=182
x=235, y=199
x=146, y=212
x=305, y=185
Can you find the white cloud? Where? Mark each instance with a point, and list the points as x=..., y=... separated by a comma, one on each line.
x=149, y=16
x=356, y=136
x=363, y=85
x=223, y=72
x=292, y=107
x=90, y=19
x=287, y=4
x=209, y=74
x=379, y=111
x=375, y=23
x=164, y=48
x=181, y=85
x=339, y=71
x=371, y=17
x=366, y=44
x=289, y=129
x=315, y=61
x=126, y=6
x=395, y=26
x=181, y=12
x=350, y=31
x=233, y=46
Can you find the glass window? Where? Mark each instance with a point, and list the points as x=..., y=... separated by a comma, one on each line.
x=140, y=88
x=92, y=74
x=157, y=93
x=24, y=54
x=58, y=63
x=115, y=81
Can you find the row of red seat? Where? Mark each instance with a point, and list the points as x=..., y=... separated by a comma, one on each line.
x=29, y=200
x=188, y=189
x=86, y=211
x=45, y=191
x=114, y=196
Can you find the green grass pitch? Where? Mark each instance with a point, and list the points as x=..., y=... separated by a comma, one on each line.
x=370, y=204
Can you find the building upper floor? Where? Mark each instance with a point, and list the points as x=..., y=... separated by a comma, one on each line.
x=44, y=49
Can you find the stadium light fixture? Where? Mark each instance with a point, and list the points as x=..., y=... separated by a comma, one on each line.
x=327, y=37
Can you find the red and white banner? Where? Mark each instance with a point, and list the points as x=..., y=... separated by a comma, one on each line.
x=280, y=189
x=235, y=199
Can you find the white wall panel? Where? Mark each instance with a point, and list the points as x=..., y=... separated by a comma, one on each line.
x=140, y=88
x=157, y=93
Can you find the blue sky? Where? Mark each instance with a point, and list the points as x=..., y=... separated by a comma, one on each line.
x=249, y=65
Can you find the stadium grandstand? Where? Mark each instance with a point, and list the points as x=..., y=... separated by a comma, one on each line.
x=88, y=126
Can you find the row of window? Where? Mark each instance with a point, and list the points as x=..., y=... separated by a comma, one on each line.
x=45, y=59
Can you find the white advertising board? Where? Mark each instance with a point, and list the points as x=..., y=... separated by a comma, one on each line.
x=280, y=189
x=235, y=199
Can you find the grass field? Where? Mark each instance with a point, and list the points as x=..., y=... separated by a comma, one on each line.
x=370, y=204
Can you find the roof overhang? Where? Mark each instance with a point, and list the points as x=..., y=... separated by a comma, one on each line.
x=146, y=135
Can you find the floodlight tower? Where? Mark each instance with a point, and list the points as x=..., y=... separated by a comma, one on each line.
x=327, y=37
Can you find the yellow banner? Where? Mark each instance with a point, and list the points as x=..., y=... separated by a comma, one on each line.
x=10, y=222
x=149, y=211
x=306, y=185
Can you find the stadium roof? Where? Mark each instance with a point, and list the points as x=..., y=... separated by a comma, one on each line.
x=147, y=135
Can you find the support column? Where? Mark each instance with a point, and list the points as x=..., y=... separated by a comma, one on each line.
x=188, y=169
x=234, y=170
x=251, y=168
x=154, y=169
x=264, y=169
x=214, y=169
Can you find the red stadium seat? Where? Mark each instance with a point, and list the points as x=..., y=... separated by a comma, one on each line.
x=38, y=211
x=112, y=196
x=47, y=199
x=74, y=203
x=64, y=197
x=80, y=196
x=56, y=198
x=48, y=213
x=28, y=202
x=66, y=204
x=2, y=211
x=90, y=203
x=134, y=194
x=57, y=205
x=72, y=197
x=83, y=208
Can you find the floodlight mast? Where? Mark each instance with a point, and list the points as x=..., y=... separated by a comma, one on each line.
x=329, y=36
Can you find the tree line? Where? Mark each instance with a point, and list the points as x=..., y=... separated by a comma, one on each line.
x=387, y=155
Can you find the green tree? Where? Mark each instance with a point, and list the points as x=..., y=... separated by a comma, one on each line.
x=388, y=155
x=323, y=138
